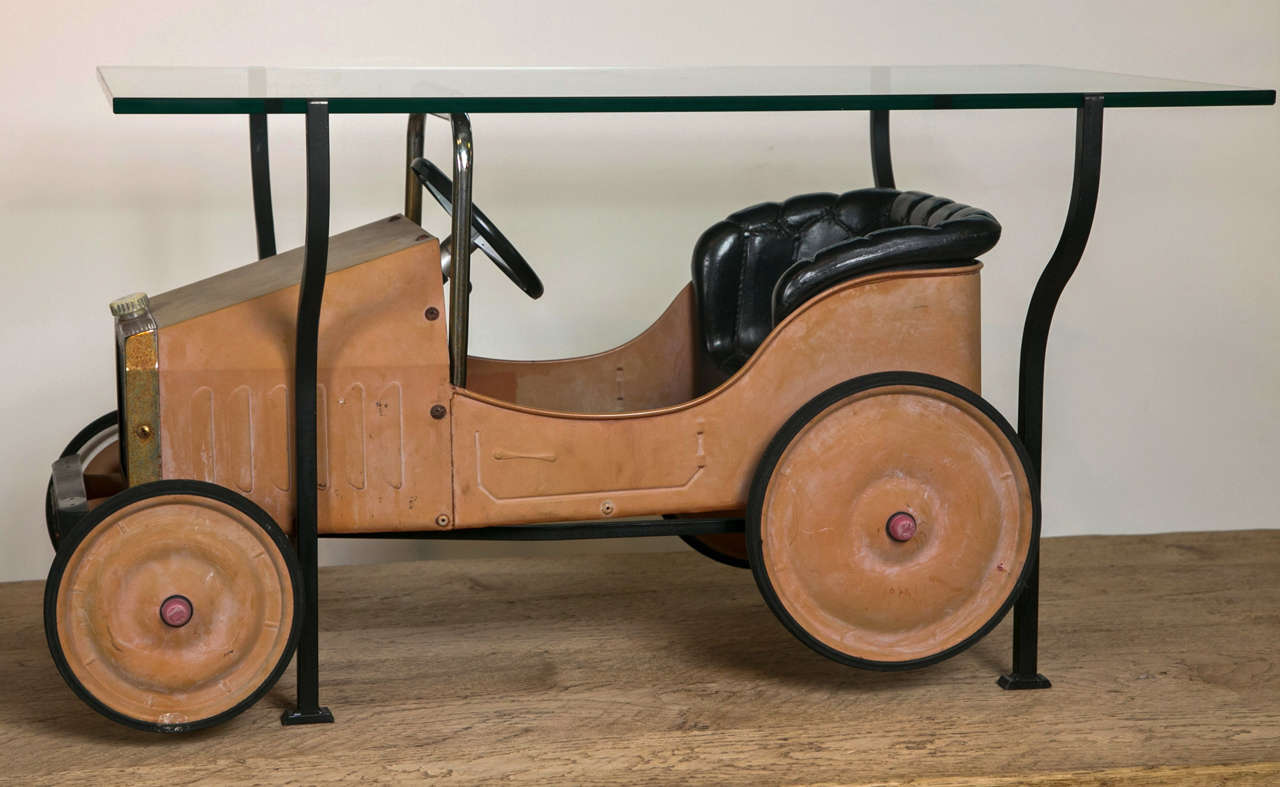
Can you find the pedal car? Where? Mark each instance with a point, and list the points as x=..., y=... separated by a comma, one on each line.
x=808, y=406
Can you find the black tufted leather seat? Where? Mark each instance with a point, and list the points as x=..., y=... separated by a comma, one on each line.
x=758, y=265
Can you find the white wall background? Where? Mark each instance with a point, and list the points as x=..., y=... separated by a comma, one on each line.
x=1163, y=405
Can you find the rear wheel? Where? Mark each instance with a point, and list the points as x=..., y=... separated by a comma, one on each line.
x=727, y=548
x=98, y=445
x=173, y=606
x=892, y=520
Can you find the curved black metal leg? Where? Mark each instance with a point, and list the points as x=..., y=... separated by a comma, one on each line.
x=881, y=160
x=315, y=261
x=1035, y=338
x=260, y=166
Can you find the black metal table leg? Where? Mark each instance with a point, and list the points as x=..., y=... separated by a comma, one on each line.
x=260, y=164
x=1035, y=338
x=881, y=160
x=315, y=261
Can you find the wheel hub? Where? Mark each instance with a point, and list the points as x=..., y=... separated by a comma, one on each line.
x=176, y=611
x=901, y=526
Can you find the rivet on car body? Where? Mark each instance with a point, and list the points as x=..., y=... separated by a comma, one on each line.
x=607, y=508
x=143, y=432
x=438, y=411
x=442, y=520
x=432, y=313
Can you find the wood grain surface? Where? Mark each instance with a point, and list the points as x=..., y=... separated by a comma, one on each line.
x=586, y=669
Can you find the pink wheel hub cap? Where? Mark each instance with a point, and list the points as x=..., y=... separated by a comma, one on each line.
x=175, y=611
x=901, y=526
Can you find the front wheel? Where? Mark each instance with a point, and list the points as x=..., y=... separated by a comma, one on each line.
x=892, y=520
x=173, y=605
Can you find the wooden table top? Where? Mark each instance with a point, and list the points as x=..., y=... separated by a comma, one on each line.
x=669, y=668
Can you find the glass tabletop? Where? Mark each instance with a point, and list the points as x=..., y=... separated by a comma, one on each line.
x=181, y=90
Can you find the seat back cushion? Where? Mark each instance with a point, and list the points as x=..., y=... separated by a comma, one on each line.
x=921, y=232
x=740, y=262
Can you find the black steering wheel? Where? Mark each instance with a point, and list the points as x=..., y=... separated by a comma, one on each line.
x=486, y=235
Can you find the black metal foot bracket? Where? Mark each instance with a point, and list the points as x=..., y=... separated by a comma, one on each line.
x=1035, y=339
x=315, y=259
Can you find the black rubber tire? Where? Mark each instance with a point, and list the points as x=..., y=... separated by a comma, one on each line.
x=143, y=492
x=792, y=427
x=94, y=428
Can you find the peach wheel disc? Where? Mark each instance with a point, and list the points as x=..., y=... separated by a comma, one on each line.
x=892, y=521
x=175, y=610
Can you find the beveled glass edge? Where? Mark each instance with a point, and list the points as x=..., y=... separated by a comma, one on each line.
x=785, y=103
